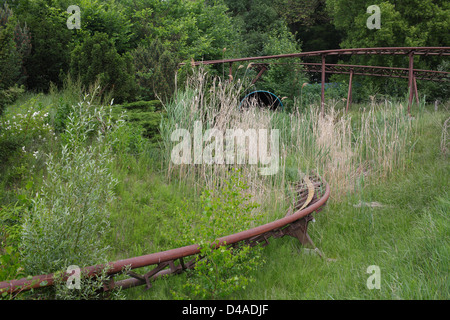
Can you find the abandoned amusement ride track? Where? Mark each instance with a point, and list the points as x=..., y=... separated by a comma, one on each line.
x=377, y=71
x=311, y=195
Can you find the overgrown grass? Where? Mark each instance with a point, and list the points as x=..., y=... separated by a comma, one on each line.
x=346, y=149
x=145, y=213
x=389, y=184
x=407, y=237
x=398, y=222
x=388, y=176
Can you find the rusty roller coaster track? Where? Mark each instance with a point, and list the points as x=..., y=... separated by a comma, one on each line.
x=409, y=73
x=311, y=195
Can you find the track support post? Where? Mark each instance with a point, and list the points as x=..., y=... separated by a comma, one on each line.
x=411, y=80
x=299, y=230
x=322, y=87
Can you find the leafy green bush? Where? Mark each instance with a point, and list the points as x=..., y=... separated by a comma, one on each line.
x=49, y=41
x=7, y=148
x=128, y=141
x=90, y=287
x=21, y=137
x=31, y=125
x=97, y=58
x=155, y=70
x=219, y=271
x=284, y=77
x=8, y=96
x=10, y=232
x=10, y=59
x=14, y=47
x=311, y=92
x=70, y=213
x=149, y=121
x=152, y=105
x=63, y=110
x=11, y=220
x=9, y=69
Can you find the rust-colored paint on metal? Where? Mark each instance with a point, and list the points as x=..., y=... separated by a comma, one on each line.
x=288, y=225
x=377, y=71
x=349, y=95
x=410, y=80
x=322, y=86
x=263, y=68
x=428, y=51
x=412, y=74
x=415, y=90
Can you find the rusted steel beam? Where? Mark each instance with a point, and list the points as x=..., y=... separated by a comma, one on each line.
x=166, y=258
x=322, y=86
x=429, y=51
x=391, y=72
x=415, y=90
x=260, y=73
x=410, y=79
x=349, y=95
x=140, y=280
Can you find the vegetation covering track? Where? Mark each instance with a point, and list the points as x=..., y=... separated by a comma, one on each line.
x=311, y=195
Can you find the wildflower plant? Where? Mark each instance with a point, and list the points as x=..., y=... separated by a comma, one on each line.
x=69, y=215
x=29, y=125
x=23, y=136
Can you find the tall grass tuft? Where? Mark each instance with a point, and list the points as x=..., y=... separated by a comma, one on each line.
x=345, y=150
x=342, y=148
x=216, y=104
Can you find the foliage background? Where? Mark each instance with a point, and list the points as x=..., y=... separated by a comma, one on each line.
x=142, y=41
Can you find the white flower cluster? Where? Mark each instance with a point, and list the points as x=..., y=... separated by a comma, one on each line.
x=33, y=123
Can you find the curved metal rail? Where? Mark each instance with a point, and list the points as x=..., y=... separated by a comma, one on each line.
x=311, y=195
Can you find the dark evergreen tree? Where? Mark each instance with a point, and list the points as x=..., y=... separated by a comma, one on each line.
x=96, y=58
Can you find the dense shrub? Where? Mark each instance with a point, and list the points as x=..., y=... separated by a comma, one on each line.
x=10, y=62
x=63, y=109
x=8, y=96
x=69, y=214
x=155, y=70
x=21, y=136
x=50, y=42
x=97, y=58
x=14, y=48
x=151, y=106
x=219, y=270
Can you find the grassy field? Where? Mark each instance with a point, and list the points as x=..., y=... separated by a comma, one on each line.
x=388, y=174
x=399, y=223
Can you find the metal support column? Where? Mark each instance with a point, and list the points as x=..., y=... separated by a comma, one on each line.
x=323, y=85
x=349, y=95
x=415, y=90
x=263, y=69
x=410, y=80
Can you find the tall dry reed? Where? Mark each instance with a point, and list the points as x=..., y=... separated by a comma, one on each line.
x=342, y=149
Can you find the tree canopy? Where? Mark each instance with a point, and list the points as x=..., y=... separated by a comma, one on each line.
x=146, y=39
